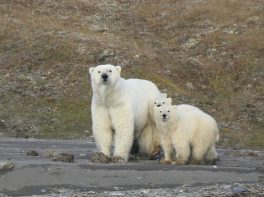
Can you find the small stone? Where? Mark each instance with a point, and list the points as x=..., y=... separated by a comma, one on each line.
x=116, y=193
x=43, y=190
x=137, y=56
x=145, y=191
x=238, y=189
x=50, y=153
x=189, y=85
x=32, y=153
x=226, y=187
x=6, y=165
x=64, y=157
x=253, y=154
x=2, y=122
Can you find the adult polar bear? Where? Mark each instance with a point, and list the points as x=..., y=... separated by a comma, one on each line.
x=119, y=108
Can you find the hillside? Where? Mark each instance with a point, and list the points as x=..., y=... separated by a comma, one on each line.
x=206, y=53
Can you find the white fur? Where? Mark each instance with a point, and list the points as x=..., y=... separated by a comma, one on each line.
x=163, y=100
x=150, y=137
x=182, y=130
x=186, y=108
x=155, y=134
x=119, y=107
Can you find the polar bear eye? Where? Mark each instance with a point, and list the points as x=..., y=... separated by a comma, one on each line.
x=99, y=71
x=155, y=103
x=160, y=111
x=168, y=110
x=163, y=103
x=110, y=71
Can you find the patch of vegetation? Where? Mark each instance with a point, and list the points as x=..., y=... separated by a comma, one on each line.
x=206, y=53
x=69, y=119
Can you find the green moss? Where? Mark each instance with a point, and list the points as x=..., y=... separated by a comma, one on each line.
x=147, y=73
x=53, y=49
x=69, y=119
x=255, y=141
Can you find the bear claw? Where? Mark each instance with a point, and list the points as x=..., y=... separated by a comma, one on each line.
x=118, y=159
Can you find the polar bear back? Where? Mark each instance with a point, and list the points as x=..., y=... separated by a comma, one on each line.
x=197, y=125
x=139, y=92
x=186, y=108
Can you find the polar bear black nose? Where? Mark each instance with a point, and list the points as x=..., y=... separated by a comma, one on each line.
x=105, y=77
x=163, y=115
x=158, y=105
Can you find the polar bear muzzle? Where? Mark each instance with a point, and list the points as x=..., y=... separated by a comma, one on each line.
x=164, y=117
x=104, y=77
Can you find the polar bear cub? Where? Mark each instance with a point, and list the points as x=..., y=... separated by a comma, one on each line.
x=191, y=134
x=120, y=109
x=163, y=100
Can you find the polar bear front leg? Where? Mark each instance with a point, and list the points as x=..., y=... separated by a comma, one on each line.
x=123, y=123
x=102, y=130
x=167, y=148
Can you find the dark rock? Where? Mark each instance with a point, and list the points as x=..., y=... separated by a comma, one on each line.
x=64, y=157
x=32, y=153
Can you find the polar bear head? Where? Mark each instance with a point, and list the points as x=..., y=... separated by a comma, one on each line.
x=105, y=74
x=165, y=112
x=163, y=100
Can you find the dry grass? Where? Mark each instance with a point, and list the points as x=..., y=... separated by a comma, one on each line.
x=215, y=45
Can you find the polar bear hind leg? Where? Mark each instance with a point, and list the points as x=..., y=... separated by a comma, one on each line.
x=211, y=155
x=145, y=139
x=155, y=153
x=182, y=152
x=199, y=149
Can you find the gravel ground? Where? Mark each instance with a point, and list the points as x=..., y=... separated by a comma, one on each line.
x=220, y=190
x=238, y=173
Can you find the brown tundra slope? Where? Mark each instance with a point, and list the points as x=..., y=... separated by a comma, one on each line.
x=206, y=53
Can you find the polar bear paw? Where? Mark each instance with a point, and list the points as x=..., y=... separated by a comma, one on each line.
x=155, y=154
x=118, y=159
x=180, y=162
x=166, y=162
x=212, y=161
x=100, y=157
x=196, y=162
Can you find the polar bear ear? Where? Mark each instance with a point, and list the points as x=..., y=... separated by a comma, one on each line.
x=164, y=95
x=91, y=70
x=118, y=68
x=169, y=101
